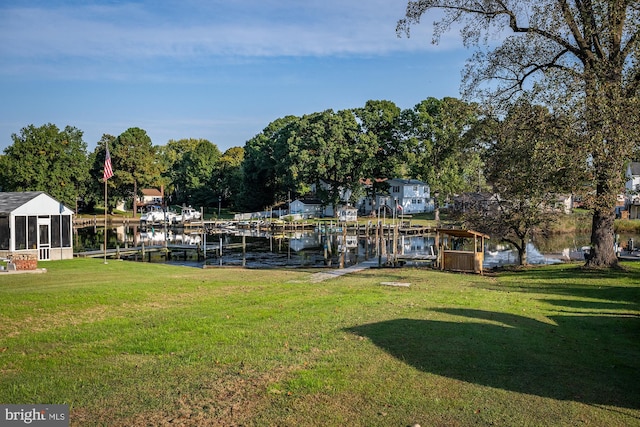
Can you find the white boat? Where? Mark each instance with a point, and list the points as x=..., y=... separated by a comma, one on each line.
x=157, y=215
x=188, y=214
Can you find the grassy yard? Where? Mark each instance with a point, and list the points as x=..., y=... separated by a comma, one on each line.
x=139, y=344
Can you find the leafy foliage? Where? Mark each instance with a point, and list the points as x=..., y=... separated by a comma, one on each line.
x=444, y=153
x=46, y=159
x=135, y=164
x=329, y=150
x=577, y=56
x=534, y=159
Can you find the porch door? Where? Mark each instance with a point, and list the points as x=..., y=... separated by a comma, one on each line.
x=44, y=239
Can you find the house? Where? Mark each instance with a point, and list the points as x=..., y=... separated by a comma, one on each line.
x=151, y=196
x=633, y=178
x=307, y=208
x=563, y=203
x=347, y=213
x=404, y=196
x=632, y=187
x=35, y=225
x=410, y=196
x=473, y=201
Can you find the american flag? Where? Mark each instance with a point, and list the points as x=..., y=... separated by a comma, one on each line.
x=108, y=170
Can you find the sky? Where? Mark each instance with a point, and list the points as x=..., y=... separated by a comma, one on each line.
x=221, y=70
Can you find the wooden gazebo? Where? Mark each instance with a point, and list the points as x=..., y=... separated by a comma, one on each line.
x=459, y=257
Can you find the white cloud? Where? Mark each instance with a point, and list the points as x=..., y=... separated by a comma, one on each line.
x=135, y=32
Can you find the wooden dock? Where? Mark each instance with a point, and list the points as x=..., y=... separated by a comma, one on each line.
x=169, y=251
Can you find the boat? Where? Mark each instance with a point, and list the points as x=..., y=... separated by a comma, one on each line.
x=155, y=214
x=188, y=214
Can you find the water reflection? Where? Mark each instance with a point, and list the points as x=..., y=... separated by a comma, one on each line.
x=259, y=248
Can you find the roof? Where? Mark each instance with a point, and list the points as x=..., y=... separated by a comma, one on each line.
x=458, y=232
x=406, y=181
x=308, y=201
x=151, y=192
x=10, y=201
x=634, y=167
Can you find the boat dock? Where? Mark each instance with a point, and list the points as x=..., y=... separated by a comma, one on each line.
x=170, y=251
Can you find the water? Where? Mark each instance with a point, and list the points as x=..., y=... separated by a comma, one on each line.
x=313, y=249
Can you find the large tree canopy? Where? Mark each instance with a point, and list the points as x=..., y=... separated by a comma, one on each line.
x=265, y=168
x=46, y=159
x=577, y=54
x=228, y=176
x=193, y=174
x=135, y=164
x=329, y=150
x=440, y=134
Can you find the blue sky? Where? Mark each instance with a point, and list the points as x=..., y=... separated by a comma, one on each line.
x=215, y=69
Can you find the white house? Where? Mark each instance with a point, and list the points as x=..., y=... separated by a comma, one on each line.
x=347, y=213
x=35, y=224
x=632, y=187
x=410, y=196
x=308, y=208
x=633, y=178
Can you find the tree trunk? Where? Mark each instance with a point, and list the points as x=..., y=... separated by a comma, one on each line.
x=602, y=253
x=607, y=124
x=522, y=252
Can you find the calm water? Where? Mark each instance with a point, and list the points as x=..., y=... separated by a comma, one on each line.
x=311, y=248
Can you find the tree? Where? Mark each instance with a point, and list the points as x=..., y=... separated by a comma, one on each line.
x=380, y=122
x=329, y=150
x=197, y=172
x=228, y=176
x=171, y=157
x=579, y=54
x=531, y=161
x=135, y=165
x=265, y=170
x=96, y=184
x=440, y=134
x=46, y=159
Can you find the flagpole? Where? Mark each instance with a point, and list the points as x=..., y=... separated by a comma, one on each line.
x=105, y=221
x=108, y=173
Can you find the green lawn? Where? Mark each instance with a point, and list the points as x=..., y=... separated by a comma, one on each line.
x=146, y=344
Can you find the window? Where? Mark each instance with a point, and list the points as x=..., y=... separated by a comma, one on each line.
x=21, y=232
x=55, y=231
x=415, y=188
x=395, y=189
x=4, y=233
x=66, y=231
x=32, y=232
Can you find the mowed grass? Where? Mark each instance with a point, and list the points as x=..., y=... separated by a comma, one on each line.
x=128, y=344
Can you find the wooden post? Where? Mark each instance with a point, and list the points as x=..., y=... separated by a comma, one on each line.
x=366, y=242
x=244, y=250
x=395, y=244
x=379, y=233
x=344, y=245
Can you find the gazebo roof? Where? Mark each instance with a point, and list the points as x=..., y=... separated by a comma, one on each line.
x=458, y=232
